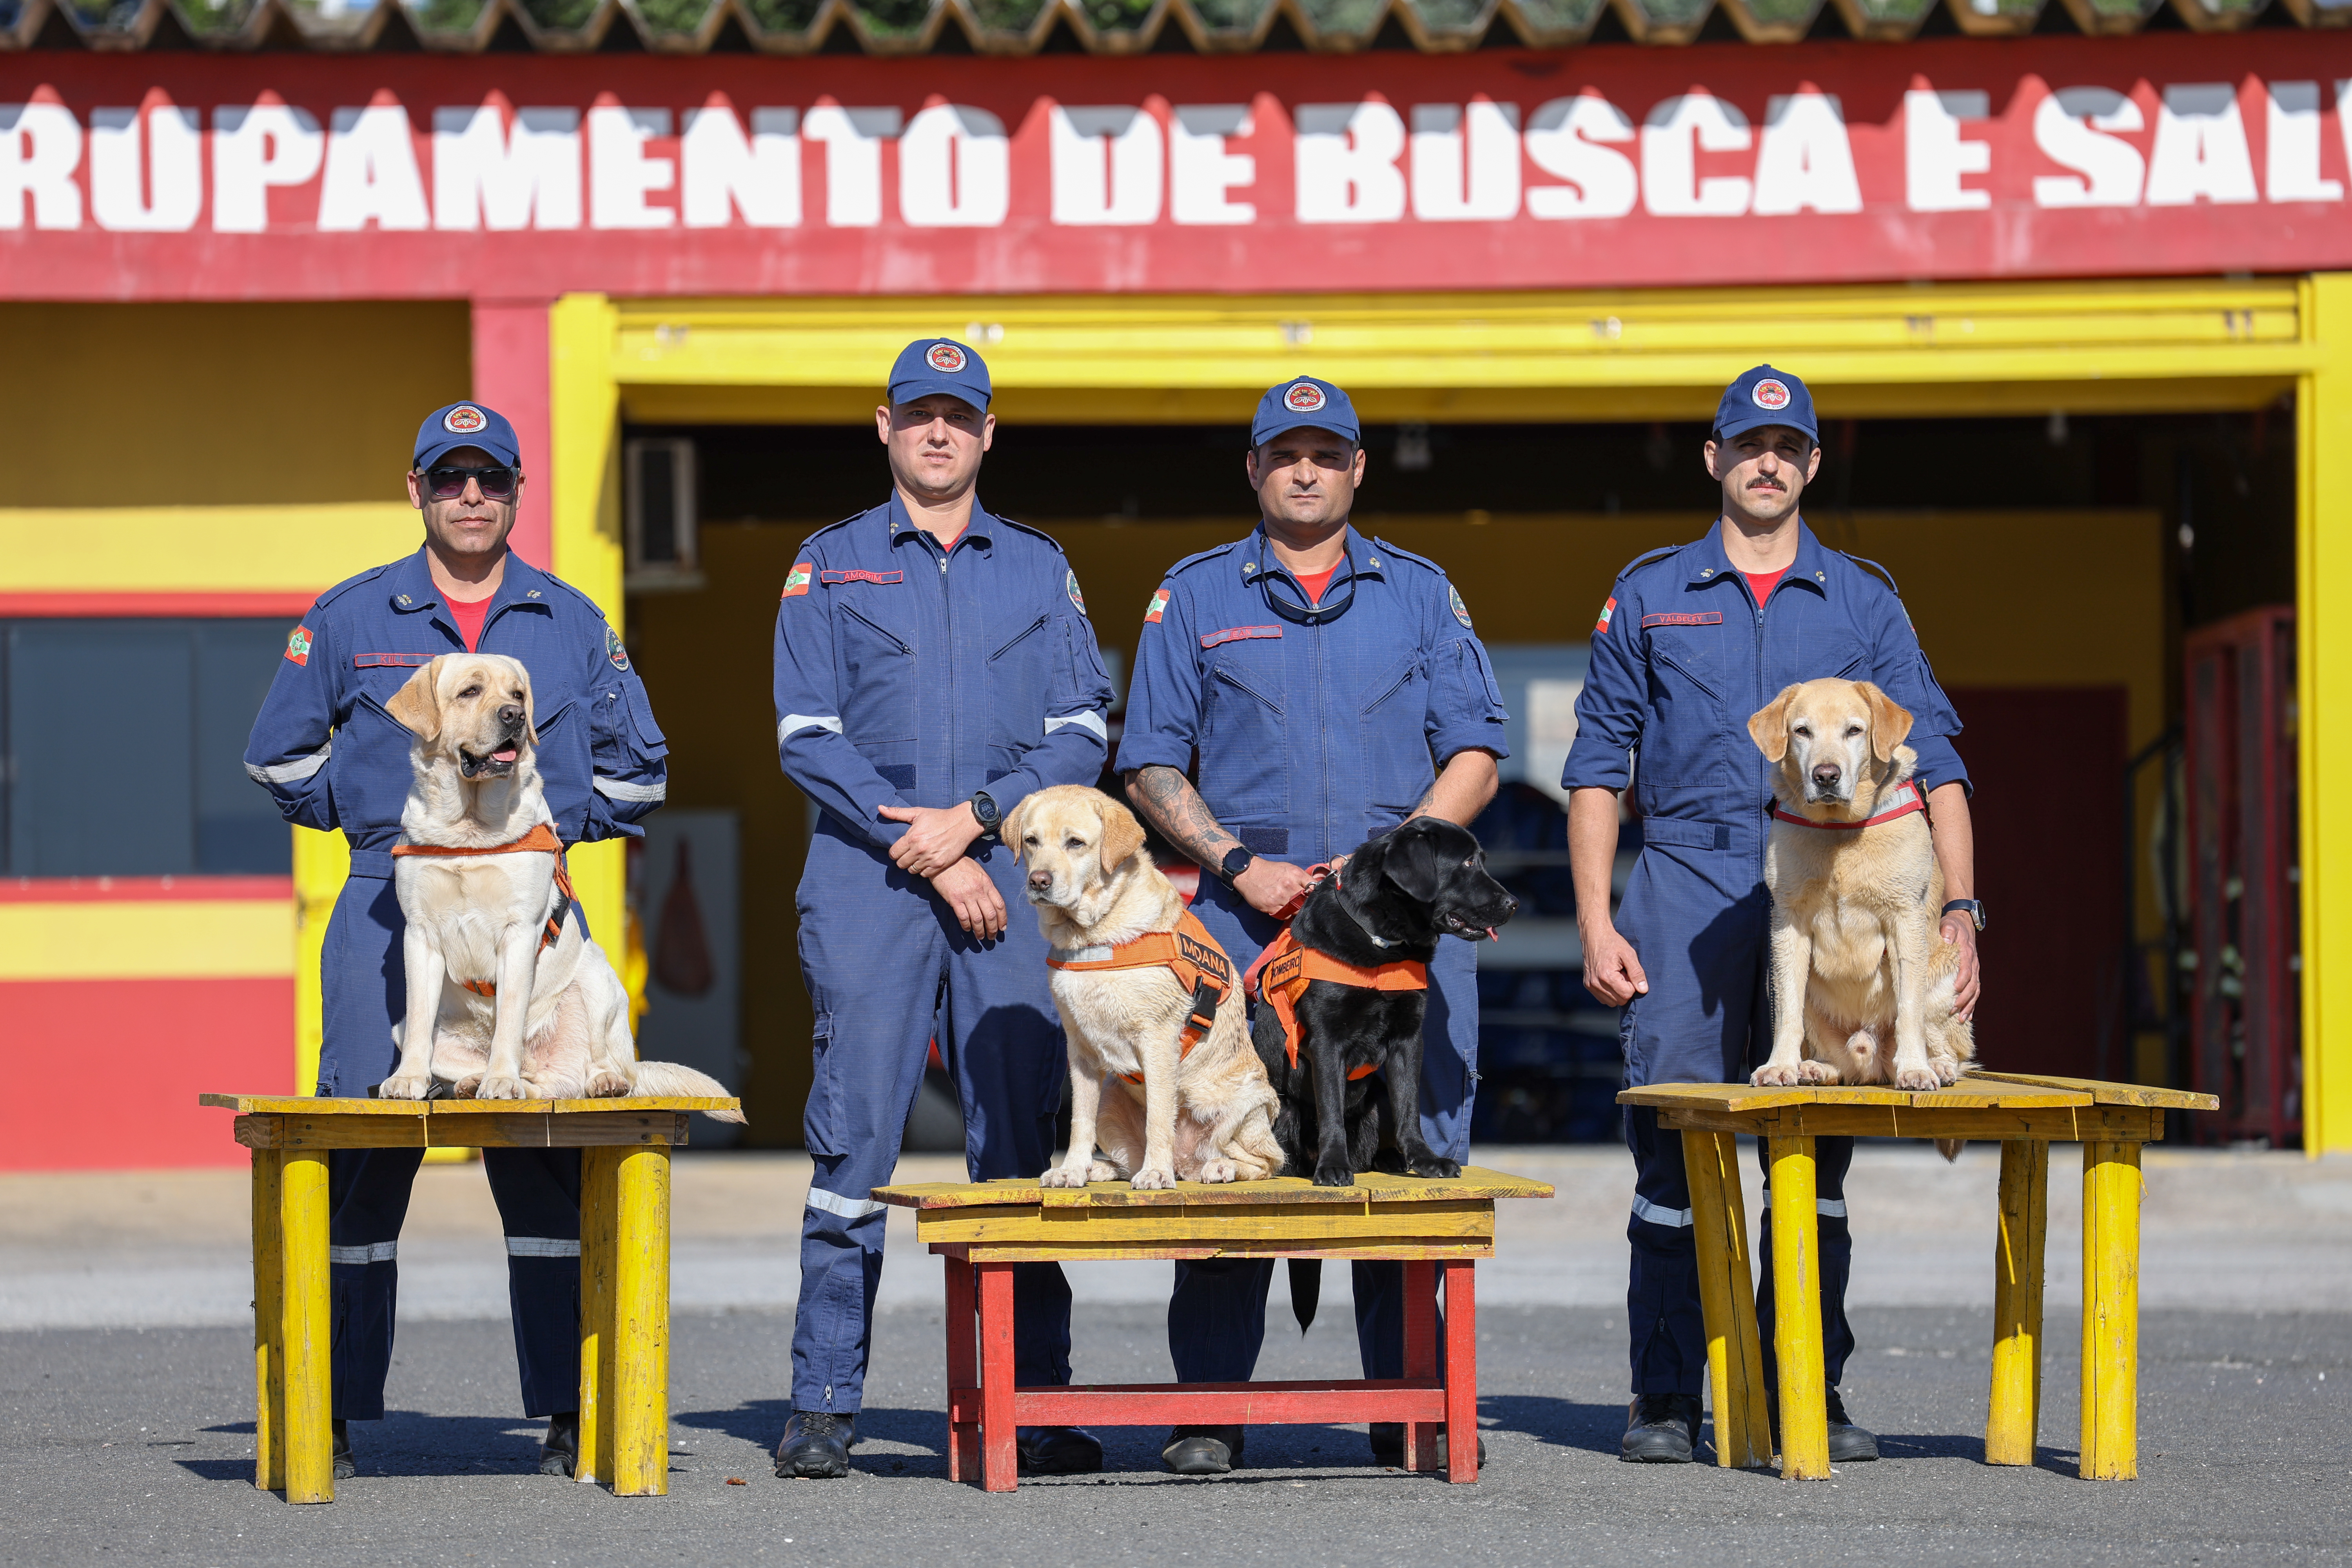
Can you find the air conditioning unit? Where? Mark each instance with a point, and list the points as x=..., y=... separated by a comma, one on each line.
x=657, y=476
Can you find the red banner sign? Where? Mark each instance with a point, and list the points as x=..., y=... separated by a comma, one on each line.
x=287, y=175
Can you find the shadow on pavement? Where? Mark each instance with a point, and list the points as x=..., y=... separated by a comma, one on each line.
x=1563, y=1422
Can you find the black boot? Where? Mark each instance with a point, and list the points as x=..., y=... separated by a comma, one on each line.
x=816, y=1445
x=1849, y=1444
x=1660, y=1429
x=560, y=1454
x=1388, y=1445
x=1058, y=1451
x=345, y=1466
x=1203, y=1450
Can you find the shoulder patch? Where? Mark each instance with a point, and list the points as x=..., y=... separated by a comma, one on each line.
x=796, y=585
x=1644, y=560
x=348, y=584
x=1600, y=626
x=1070, y=586
x=298, y=645
x=1461, y=611
x=613, y=650
x=1152, y=611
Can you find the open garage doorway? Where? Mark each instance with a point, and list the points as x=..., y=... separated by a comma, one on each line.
x=2051, y=565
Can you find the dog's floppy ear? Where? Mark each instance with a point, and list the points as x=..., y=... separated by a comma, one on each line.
x=418, y=705
x=1412, y=862
x=530, y=713
x=1769, y=725
x=1008, y=827
x=1889, y=721
x=1122, y=834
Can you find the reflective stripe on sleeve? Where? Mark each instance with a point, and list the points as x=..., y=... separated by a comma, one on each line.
x=794, y=721
x=541, y=1246
x=374, y=1252
x=295, y=772
x=1644, y=1210
x=847, y=1208
x=613, y=789
x=1083, y=720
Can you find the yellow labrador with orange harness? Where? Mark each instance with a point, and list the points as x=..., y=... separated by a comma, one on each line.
x=1857, y=965
x=523, y=1006
x=1149, y=1000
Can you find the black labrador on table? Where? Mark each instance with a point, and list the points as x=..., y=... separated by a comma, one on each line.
x=1395, y=899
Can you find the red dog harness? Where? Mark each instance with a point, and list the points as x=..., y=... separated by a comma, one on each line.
x=1905, y=797
x=542, y=841
x=1189, y=952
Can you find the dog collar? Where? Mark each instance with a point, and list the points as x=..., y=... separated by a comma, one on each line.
x=1907, y=801
x=1336, y=882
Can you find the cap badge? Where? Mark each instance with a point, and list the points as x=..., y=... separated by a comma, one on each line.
x=1770, y=394
x=1303, y=398
x=464, y=420
x=946, y=357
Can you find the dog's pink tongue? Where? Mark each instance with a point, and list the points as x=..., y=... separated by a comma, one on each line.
x=503, y=755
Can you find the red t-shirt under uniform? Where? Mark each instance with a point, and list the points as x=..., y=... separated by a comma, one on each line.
x=469, y=614
x=1761, y=583
x=1315, y=582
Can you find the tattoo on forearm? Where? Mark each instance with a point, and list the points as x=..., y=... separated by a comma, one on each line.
x=1170, y=803
x=1428, y=798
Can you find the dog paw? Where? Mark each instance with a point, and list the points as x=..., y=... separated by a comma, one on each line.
x=1329, y=1175
x=1947, y=1073
x=1218, y=1170
x=464, y=1087
x=1103, y=1171
x=1771, y=1076
x=396, y=1087
x=608, y=1085
x=1917, y=1077
x=1150, y=1179
x=1437, y=1168
x=502, y=1088
x=1816, y=1072
x=1064, y=1176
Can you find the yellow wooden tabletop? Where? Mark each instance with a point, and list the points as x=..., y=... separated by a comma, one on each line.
x=307, y=1105
x=1980, y=1090
x=1372, y=1187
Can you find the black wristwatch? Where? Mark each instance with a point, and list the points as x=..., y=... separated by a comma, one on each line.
x=1236, y=861
x=1975, y=909
x=984, y=808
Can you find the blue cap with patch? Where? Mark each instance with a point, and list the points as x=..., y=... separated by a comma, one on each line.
x=1309, y=400
x=1766, y=396
x=465, y=424
x=939, y=364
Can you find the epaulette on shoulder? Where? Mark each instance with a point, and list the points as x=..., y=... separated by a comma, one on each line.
x=1402, y=554
x=1033, y=533
x=1876, y=569
x=1195, y=559
x=830, y=528
x=348, y=584
x=585, y=603
x=1641, y=561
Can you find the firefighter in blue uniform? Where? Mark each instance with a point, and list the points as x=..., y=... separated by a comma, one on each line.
x=1330, y=686
x=333, y=757
x=1692, y=640
x=934, y=664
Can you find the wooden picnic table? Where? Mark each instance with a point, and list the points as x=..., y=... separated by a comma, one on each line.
x=2025, y=1114
x=624, y=1264
x=1437, y=1228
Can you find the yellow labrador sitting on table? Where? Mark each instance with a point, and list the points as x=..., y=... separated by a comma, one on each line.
x=1855, y=889
x=522, y=1004
x=1146, y=997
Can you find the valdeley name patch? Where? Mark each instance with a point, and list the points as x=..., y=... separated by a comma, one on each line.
x=1683, y=618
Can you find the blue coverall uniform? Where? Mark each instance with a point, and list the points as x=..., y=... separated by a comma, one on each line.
x=1682, y=657
x=1316, y=727
x=911, y=675
x=333, y=757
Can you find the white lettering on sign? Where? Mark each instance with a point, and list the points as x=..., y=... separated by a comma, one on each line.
x=1344, y=163
x=40, y=147
x=853, y=141
x=1935, y=154
x=254, y=147
x=370, y=174
x=1565, y=140
x=2292, y=135
x=1201, y=170
x=1805, y=163
x=726, y=172
x=620, y=175
x=1672, y=135
x=1106, y=165
x=955, y=169
x=487, y=176
x=160, y=192
x=1465, y=161
x=2200, y=151
x=2074, y=129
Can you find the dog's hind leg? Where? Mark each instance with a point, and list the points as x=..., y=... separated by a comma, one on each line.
x=1118, y=1133
x=612, y=1052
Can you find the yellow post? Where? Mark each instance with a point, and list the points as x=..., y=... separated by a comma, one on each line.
x=1735, y=1362
x=1797, y=1313
x=2323, y=620
x=269, y=1323
x=308, y=1327
x=2013, y=1421
x=599, y=1253
x=640, y=1402
x=583, y=413
x=2110, y=1312
x=323, y=861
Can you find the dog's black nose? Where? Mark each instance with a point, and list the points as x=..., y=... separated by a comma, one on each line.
x=1041, y=880
x=510, y=714
x=1825, y=772
x=1511, y=906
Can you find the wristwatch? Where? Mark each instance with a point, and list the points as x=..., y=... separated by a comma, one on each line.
x=1236, y=861
x=1975, y=908
x=984, y=808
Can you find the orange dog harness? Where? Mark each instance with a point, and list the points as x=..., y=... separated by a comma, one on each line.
x=1281, y=974
x=544, y=840
x=1189, y=952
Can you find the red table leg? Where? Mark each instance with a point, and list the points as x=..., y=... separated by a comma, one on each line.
x=1420, y=1356
x=1000, y=1465
x=963, y=1369
x=1460, y=1370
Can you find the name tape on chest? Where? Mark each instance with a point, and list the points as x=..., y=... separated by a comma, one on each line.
x=391, y=660
x=1682, y=618
x=1238, y=634
x=861, y=577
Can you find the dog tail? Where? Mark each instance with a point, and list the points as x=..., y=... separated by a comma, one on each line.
x=1949, y=1148
x=665, y=1079
x=1305, y=1289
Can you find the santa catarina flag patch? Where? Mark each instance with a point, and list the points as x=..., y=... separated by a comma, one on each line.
x=803, y=574
x=1152, y=611
x=1600, y=626
x=298, y=645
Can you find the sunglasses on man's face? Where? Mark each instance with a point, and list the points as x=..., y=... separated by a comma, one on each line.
x=449, y=483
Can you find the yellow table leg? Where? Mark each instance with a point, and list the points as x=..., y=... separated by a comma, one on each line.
x=307, y=1326
x=269, y=1323
x=1797, y=1313
x=2111, y=1186
x=1735, y=1360
x=640, y=1406
x=2014, y=1419
x=600, y=1171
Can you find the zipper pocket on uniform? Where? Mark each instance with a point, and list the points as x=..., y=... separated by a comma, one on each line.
x=1403, y=676
x=1018, y=637
x=1230, y=679
x=902, y=645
